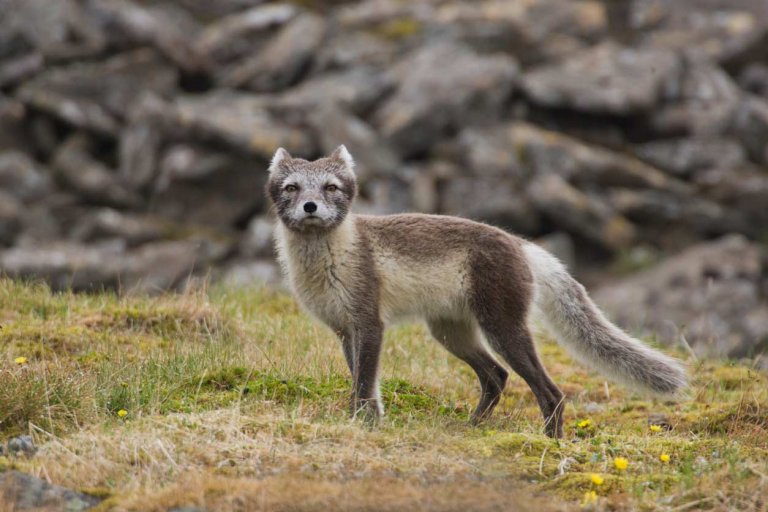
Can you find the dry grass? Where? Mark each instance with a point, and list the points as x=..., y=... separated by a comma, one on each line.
x=237, y=401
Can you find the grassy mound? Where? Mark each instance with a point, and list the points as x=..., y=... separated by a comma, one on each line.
x=235, y=400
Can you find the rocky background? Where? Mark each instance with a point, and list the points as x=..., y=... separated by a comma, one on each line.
x=627, y=135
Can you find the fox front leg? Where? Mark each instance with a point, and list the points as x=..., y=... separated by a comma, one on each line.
x=365, y=400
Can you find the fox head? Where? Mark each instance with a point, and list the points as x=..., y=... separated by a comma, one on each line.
x=312, y=196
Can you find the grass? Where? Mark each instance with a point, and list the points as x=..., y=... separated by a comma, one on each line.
x=235, y=400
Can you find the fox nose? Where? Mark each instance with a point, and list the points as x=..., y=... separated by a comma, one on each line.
x=310, y=207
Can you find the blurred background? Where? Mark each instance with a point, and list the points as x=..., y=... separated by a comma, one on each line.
x=630, y=137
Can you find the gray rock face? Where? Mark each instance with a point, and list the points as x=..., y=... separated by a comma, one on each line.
x=683, y=157
x=153, y=267
x=99, y=96
x=282, y=62
x=26, y=492
x=23, y=178
x=436, y=86
x=21, y=445
x=580, y=214
x=605, y=79
x=532, y=31
x=711, y=294
x=242, y=122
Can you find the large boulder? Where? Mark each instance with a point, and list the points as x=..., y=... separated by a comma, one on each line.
x=579, y=213
x=240, y=121
x=440, y=87
x=282, y=61
x=150, y=268
x=22, y=177
x=703, y=101
x=240, y=35
x=201, y=186
x=685, y=156
x=711, y=295
x=533, y=31
x=606, y=79
x=98, y=96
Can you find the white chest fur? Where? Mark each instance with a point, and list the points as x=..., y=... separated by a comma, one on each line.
x=320, y=270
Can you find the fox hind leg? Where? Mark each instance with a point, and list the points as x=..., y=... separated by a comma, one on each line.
x=460, y=337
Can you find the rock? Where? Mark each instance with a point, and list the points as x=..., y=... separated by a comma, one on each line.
x=10, y=218
x=441, y=86
x=357, y=90
x=579, y=214
x=750, y=125
x=150, y=268
x=21, y=491
x=727, y=34
x=253, y=273
x=132, y=229
x=93, y=181
x=15, y=134
x=167, y=28
x=141, y=140
x=606, y=79
x=22, y=445
x=697, y=215
x=754, y=79
x=683, y=157
x=491, y=152
x=709, y=293
x=241, y=34
x=350, y=49
x=205, y=187
x=702, y=102
x=561, y=245
x=23, y=178
x=16, y=70
x=533, y=31
x=56, y=31
x=97, y=96
x=497, y=201
x=258, y=239
x=545, y=152
x=241, y=121
x=283, y=60
x=334, y=126
x=743, y=189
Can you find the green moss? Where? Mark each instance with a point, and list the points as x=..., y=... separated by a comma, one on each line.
x=397, y=29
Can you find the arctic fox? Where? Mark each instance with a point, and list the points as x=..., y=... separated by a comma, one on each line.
x=474, y=285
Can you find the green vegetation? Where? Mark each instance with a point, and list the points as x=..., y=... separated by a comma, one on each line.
x=237, y=393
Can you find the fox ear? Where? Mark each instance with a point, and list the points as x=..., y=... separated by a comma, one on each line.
x=280, y=155
x=341, y=153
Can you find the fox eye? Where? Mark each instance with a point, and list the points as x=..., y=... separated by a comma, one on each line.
x=331, y=188
x=291, y=188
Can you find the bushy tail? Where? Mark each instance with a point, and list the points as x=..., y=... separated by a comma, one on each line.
x=581, y=327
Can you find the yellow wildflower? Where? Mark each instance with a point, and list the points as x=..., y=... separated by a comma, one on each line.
x=585, y=423
x=664, y=458
x=20, y=360
x=590, y=498
x=655, y=428
x=122, y=413
x=597, y=479
x=621, y=463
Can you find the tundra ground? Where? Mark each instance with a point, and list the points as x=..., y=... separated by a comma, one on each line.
x=236, y=400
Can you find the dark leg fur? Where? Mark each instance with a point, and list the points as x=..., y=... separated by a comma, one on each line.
x=460, y=339
x=501, y=295
x=517, y=348
x=367, y=349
